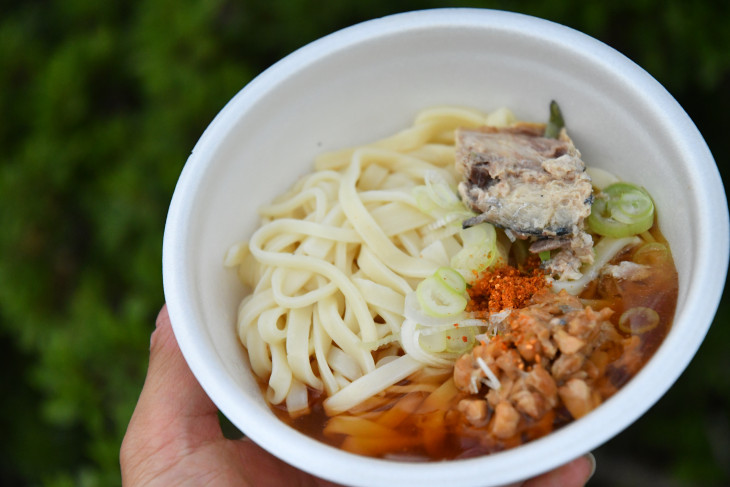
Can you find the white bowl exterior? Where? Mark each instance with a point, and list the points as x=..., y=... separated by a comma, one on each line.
x=367, y=82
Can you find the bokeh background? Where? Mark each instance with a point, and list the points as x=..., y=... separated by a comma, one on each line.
x=100, y=104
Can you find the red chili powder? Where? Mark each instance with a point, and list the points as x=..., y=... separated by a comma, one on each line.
x=505, y=287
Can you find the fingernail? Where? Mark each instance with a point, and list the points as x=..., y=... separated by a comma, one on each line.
x=592, y=460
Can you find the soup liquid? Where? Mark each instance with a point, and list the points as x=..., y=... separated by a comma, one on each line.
x=436, y=430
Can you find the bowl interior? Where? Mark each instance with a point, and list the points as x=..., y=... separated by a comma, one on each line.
x=367, y=82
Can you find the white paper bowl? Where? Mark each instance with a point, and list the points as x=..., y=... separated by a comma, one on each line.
x=368, y=81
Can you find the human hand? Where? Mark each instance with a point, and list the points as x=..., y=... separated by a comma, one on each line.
x=174, y=436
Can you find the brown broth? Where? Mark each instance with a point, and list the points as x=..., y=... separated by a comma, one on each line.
x=429, y=433
x=658, y=292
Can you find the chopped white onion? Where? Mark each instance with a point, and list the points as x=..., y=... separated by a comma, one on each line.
x=340, y=362
x=605, y=250
x=297, y=401
x=371, y=383
x=410, y=342
x=491, y=380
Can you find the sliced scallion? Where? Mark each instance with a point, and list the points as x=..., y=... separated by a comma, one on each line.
x=621, y=210
x=436, y=197
x=653, y=253
x=451, y=278
x=434, y=343
x=454, y=339
x=480, y=251
x=460, y=340
x=438, y=299
x=638, y=320
x=629, y=203
x=441, y=192
x=482, y=234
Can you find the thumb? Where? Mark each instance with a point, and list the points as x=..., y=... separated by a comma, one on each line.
x=173, y=412
x=171, y=389
x=573, y=474
x=170, y=386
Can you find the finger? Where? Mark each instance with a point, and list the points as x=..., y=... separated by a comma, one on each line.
x=573, y=474
x=173, y=411
x=170, y=384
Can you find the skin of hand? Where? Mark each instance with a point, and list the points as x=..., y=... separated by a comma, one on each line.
x=174, y=436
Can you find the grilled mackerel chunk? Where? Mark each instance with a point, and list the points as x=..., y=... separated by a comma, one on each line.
x=534, y=187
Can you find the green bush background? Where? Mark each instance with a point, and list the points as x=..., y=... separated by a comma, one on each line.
x=100, y=104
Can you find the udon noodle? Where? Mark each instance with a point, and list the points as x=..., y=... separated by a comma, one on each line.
x=334, y=263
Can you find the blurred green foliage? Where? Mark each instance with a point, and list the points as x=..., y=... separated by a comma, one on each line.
x=101, y=102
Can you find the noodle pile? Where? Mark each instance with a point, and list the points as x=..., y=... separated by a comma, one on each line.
x=333, y=260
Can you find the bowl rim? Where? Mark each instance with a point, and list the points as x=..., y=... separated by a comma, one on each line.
x=343, y=467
